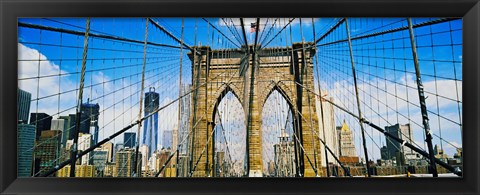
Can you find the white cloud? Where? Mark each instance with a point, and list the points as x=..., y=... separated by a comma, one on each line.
x=31, y=64
x=106, y=94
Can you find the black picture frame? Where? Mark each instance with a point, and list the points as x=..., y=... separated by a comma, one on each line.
x=10, y=10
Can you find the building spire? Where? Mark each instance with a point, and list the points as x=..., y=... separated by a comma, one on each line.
x=345, y=126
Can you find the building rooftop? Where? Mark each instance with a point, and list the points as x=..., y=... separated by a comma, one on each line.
x=345, y=126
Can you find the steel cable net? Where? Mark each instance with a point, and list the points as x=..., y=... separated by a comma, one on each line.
x=387, y=85
x=230, y=136
x=119, y=97
x=277, y=137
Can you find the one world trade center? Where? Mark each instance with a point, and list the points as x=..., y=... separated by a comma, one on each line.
x=150, y=130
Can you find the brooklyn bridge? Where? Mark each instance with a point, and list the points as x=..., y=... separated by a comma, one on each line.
x=239, y=97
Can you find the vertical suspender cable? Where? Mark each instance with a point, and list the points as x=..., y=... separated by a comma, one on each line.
x=321, y=104
x=195, y=95
x=79, y=101
x=423, y=106
x=141, y=98
x=179, y=94
x=356, y=94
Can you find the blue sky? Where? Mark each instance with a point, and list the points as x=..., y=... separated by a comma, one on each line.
x=115, y=89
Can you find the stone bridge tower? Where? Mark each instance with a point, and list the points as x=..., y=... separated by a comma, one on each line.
x=216, y=72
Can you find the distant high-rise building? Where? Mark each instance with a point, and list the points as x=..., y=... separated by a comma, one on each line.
x=68, y=131
x=69, y=126
x=41, y=121
x=284, y=156
x=345, y=142
x=89, y=120
x=25, y=143
x=152, y=162
x=167, y=139
x=84, y=142
x=58, y=124
x=184, y=127
x=395, y=148
x=162, y=160
x=23, y=105
x=331, y=136
x=129, y=140
x=125, y=160
x=48, y=149
x=150, y=128
x=25, y=135
x=69, y=144
x=61, y=125
x=118, y=147
x=144, y=151
x=384, y=153
x=99, y=160
x=108, y=146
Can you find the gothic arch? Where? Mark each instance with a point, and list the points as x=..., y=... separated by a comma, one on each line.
x=272, y=73
x=221, y=93
x=283, y=89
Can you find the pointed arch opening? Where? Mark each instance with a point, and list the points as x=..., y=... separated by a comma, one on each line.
x=278, y=139
x=229, y=141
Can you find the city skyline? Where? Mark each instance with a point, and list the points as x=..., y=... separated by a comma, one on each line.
x=153, y=62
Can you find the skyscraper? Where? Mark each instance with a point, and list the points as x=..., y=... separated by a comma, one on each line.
x=89, y=120
x=184, y=126
x=41, y=121
x=129, y=140
x=118, y=147
x=394, y=148
x=161, y=160
x=384, y=153
x=25, y=135
x=48, y=149
x=167, y=139
x=99, y=159
x=125, y=160
x=61, y=125
x=284, y=156
x=144, y=151
x=69, y=125
x=84, y=142
x=108, y=146
x=25, y=143
x=346, y=144
x=70, y=120
x=331, y=135
x=23, y=105
x=150, y=128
